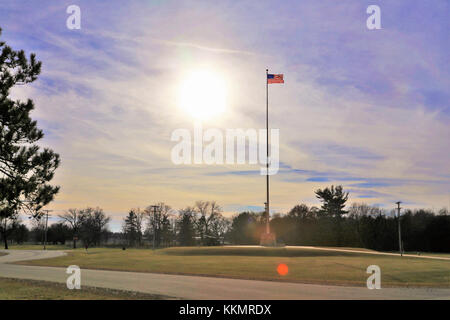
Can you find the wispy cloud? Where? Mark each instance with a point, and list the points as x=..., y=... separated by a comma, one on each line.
x=366, y=109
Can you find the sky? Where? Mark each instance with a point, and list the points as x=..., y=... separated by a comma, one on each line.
x=365, y=109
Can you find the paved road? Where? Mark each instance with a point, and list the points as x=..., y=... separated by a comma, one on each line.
x=194, y=287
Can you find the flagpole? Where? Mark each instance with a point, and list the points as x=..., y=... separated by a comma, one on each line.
x=267, y=154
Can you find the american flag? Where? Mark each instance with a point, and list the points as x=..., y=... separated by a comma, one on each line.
x=275, y=78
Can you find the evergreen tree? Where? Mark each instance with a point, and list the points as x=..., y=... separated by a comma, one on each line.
x=185, y=224
x=25, y=170
x=333, y=201
x=132, y=228
x=167, y=232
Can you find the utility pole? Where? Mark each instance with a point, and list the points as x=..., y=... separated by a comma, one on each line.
x=400, y=247
x=46, y=228
x=154, y=208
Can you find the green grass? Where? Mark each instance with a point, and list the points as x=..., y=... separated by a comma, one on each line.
x=305, y=265
x=39, y=247
x=14, y=289
x=430, y=254
x=414, y=253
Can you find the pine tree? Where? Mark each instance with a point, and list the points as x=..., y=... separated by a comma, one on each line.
x=333, y=204
x=25, y=170
x=131, y=228
x=186, y=224
x=333, y=201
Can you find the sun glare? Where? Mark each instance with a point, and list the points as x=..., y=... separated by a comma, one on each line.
x=203, y=95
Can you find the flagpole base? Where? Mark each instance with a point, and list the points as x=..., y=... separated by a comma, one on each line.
x=268, y=240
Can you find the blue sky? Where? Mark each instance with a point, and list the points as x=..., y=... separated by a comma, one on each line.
x=368, y=109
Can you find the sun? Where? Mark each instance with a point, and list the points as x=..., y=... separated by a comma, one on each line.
x=203, y=95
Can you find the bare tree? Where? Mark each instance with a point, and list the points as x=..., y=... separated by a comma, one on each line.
x=208, y=213
x=218, y=228
x=358, y=210
x=74, y=219
x=156, y=219
x=94, y=226
x=38, y=229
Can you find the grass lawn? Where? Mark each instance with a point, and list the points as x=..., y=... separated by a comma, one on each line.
x=39, y=247
x=414, y=253
x=305, y=265
x=431, y=254
x=14, y=289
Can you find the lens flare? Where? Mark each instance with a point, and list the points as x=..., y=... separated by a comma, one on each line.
x=282, y=269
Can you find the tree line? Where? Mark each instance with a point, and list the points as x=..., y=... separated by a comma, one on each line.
x=360, y=225
x=201, y=224
x=89, y=225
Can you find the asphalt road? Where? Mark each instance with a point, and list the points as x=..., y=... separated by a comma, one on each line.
x=200, y=288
